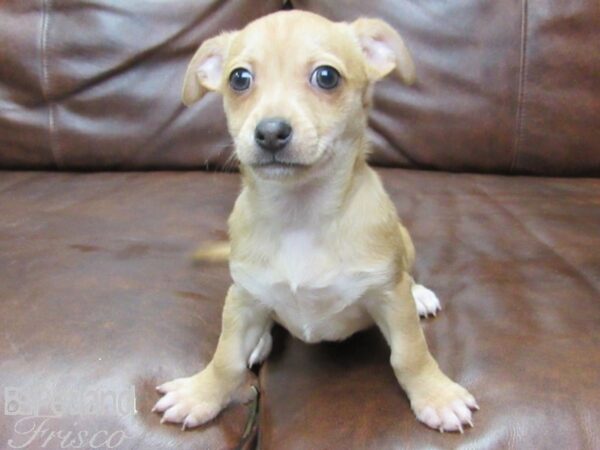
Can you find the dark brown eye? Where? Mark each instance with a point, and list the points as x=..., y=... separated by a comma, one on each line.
x=325, y=77
x=240, y=79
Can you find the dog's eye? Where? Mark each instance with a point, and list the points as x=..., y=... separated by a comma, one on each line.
x=325, y=77
x=240, y=79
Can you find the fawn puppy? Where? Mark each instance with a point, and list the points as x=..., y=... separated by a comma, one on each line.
x=316, y=244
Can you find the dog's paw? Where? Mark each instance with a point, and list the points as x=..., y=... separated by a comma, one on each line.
x=190, y=401
x=446, y=407
x=426, y=300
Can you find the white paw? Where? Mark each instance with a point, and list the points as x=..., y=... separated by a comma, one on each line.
x=190, y=401
x=262, y=349
x=426, y=300
x=447, y=408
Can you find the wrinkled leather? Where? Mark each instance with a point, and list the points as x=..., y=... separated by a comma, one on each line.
x=505, y=87
x=97, y=292
x=516, y=265
x=96, y=286
x=502, y=86
x=96, y=84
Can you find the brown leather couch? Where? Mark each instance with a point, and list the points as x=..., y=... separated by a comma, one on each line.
x=108, y=183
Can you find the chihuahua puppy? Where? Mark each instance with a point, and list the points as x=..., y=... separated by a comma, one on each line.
x=316, y=244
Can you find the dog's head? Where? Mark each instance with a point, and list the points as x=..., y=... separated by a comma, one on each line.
x=296, y=87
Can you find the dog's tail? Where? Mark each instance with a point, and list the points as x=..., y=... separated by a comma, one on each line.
x=212, y=252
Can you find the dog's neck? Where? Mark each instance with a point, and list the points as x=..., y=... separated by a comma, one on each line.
x=307, y=202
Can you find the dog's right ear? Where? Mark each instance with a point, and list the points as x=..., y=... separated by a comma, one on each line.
x=205, y=70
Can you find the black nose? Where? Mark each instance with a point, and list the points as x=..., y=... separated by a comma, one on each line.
x=273, y=134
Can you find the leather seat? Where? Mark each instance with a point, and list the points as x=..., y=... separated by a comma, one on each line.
x=511, y=262
x=99, y=294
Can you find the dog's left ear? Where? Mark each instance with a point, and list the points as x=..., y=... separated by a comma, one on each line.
x=383, y=49
x=205, y=70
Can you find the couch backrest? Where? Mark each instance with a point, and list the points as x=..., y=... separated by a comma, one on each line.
x=503, y=86
x=96, y=84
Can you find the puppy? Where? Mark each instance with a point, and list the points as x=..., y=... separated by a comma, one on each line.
x=315, y=241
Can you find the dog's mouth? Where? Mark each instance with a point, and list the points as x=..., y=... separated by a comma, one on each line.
x=278, y=163
x=279, y=166
x=276, y=169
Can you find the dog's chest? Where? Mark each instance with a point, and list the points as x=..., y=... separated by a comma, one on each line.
x=312, y=290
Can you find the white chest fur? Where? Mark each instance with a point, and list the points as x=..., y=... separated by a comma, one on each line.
x=313, y=292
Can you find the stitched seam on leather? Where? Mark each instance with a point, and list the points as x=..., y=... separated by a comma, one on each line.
x=46, y=6
x=521, y=88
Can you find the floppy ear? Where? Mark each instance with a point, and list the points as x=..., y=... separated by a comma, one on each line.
x=205, y=69
x=383, y=50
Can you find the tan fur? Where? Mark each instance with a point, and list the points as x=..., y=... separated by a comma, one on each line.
x=212, y=252
x=316, y=241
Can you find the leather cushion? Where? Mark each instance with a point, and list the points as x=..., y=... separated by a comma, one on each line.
x=96, y=84
x=97, y=293
x=504, y=87
x=516, y=265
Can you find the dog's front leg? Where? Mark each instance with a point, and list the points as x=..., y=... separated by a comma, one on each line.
x=197, y=399
x=436, y=400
